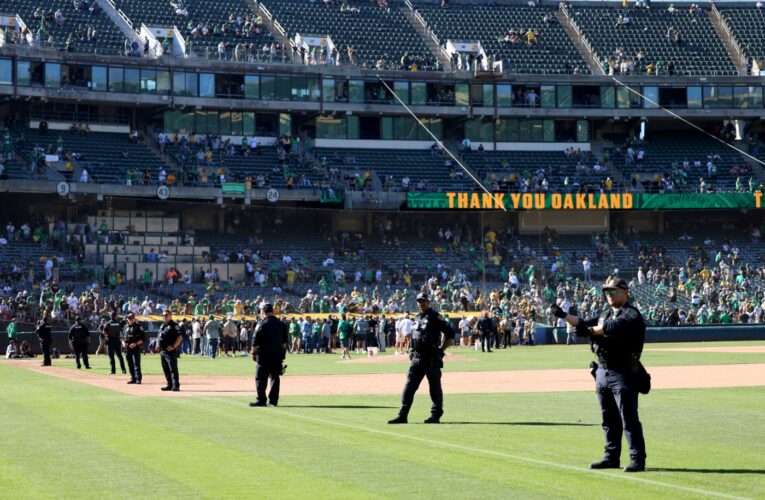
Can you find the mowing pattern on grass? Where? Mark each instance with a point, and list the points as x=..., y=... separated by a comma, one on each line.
x=78, y=441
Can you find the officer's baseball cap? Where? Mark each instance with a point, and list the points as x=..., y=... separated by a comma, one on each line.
x=422, y=296
x=267, y=308
x=615, y=283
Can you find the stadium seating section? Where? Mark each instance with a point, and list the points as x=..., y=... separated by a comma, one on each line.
x=109, y=39
x=373, y=32
x=746, y=25
x=238, y=167
x=663, y=151
x=552, y=53
x=702, y=51
x=213, y=14
x=498, y=166
x=101, y=153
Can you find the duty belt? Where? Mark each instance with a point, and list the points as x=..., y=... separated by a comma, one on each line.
x=612, y=365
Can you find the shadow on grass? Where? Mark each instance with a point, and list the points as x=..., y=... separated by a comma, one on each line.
x=346, y=407
x=570, y=424
x=708, y=471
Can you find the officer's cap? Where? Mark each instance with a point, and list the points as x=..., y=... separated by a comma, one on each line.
x=267, y=308
x=615, y=283
x=422, y=296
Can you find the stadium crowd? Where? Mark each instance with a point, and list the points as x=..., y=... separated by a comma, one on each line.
x=711, y=283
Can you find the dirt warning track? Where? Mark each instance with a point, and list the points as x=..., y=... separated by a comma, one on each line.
x=560, y=380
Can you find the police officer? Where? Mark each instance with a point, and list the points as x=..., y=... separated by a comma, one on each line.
x=79, y=339
x=46, y=338
x=133, y=343
x=269, y=347
x=431, y=335
x=486, y=327
x=168, y=342
x=113, y=331
x=616, y=338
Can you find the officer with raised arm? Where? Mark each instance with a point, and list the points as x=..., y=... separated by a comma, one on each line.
x=616, y=338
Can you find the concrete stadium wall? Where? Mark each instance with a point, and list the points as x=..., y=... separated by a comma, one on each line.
x=712, y=333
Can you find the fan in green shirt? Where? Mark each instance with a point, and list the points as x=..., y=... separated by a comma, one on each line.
x=316, y=334
x=11, y=329
x=344, y=329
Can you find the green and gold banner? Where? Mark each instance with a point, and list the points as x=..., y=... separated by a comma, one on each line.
x=576, y=201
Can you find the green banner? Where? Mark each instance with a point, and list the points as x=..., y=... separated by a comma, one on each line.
x=334, y=196
x=233, y=188
x=576, y=201
x=427, y=200
x=693, y=201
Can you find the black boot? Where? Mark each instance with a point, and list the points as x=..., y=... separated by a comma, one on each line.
x=606, y=463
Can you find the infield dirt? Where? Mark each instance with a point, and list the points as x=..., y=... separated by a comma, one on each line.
x=558, y=380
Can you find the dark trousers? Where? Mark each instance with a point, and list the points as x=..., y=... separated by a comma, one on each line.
x=268, y=370
x=618, y=398
x=114, y=348
x=506, y=338
x=197, y=346
x=214, y=347
x=486, y=339
x=134, y=363
x=420, y=368
x=170, y=367
x=45, y=346
x=229, y=344
x=81, y=351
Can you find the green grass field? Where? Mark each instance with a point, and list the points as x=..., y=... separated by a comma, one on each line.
x=69, y=440
x=516, y=358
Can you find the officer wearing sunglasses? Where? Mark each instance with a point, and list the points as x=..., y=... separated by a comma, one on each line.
x=616, y=338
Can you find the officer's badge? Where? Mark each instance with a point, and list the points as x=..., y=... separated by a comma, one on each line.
x=631, y=314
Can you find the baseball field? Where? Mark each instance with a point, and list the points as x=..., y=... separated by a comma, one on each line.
x=520, y=423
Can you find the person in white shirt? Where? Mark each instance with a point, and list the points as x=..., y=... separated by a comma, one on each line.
x=11, y=351
x=403, y=332
x=196, y=336
x=587, y=267
x=464, y=326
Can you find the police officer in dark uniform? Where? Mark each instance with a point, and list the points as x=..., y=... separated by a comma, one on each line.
x=431, y=335
x=486, y=327
x=113, y=331
x=168, y=342
x=79, y=339
x=616, y=338
x=46, y=338
x=269, y=347
x=133, y=343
